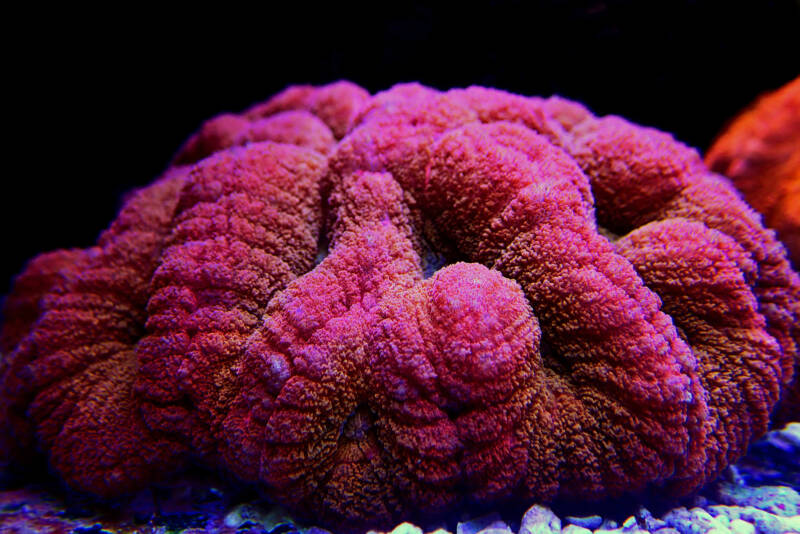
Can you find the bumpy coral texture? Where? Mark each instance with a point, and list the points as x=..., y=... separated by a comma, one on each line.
x=272, y=307
x=760, y=152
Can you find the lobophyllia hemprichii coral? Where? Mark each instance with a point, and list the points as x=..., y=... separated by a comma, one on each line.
x=621, y=320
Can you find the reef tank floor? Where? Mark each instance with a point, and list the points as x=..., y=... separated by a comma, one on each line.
x=757, y=495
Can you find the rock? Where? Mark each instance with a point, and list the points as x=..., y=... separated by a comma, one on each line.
x=677, y=515
x=94, y=529
x=406, y=528
x=248, y=514
x=609, y=524
x=621, y=530
x=629, y=523
x=792, y=431
x=761, y=520
x=242, y=514
x=540, y=520
x=778, y=500
x=646, y=519
x=590, y=522
x=732, y=475
x=694, y=521
x=767, y=523
x=787, y=439
x=667, y=530
x=575, y=529
x=728, y=512
x=774, y=459
x=479, y=524
x=738, y=526
x=791, y=524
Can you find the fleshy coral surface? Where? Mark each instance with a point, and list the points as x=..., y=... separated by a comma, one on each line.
x=760, y=152
x=621, y=320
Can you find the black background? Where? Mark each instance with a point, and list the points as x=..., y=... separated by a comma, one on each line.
x=99, y=102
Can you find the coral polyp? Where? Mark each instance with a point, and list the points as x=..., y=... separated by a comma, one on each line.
x=614, y=317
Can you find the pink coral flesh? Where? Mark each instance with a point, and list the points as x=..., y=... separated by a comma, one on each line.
x=622, y=320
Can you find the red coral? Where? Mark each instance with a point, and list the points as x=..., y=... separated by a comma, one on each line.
x=565, y=361
x=70, y=379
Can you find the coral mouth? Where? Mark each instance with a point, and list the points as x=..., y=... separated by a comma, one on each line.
x=358, y=424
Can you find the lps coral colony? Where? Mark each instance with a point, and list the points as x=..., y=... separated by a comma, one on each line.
x=759, y=153
x=378, y=308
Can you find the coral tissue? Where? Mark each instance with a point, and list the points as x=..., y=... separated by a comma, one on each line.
x=613, y=318
x=760, y=152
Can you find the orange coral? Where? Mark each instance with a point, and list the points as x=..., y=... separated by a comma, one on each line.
x=760, y=152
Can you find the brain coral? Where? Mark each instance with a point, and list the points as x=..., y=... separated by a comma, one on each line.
x=613, y=318
x=760, y=152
